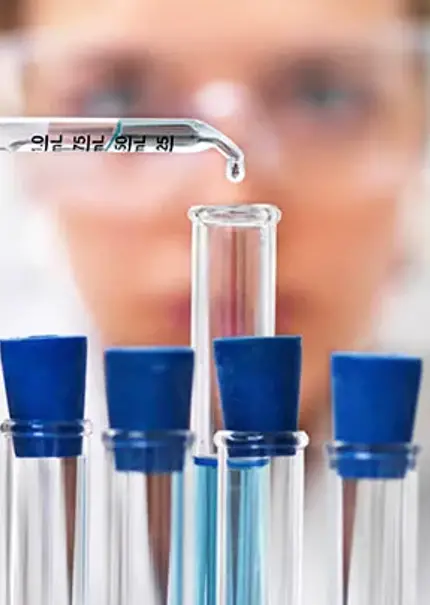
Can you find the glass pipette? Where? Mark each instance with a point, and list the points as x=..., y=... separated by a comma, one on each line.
x=233, y=293
x=374, y=499
x=116, y=135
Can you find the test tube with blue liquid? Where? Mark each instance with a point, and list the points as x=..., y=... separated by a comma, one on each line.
x=148, y=456
x=261, y=472
x=233, y=293
x=373, y=485
x=46, y=447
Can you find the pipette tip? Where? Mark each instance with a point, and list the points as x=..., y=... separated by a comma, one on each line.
x=235, y=171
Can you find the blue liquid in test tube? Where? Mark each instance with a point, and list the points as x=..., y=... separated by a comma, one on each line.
x=233, y=293
x=261, y=472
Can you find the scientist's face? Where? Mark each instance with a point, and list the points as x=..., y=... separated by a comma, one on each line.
x=332, y=132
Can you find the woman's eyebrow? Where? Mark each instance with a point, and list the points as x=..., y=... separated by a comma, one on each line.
x=112, y=59
x=89, y=69
x=327, y=55
x=345, y=62
x=334, y=64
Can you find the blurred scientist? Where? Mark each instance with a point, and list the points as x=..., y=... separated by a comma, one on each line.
x=327, y=100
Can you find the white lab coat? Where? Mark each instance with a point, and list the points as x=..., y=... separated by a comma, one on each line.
x=37, y=296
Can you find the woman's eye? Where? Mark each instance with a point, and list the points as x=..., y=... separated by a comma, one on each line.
x=324, y=97
x=328, y=98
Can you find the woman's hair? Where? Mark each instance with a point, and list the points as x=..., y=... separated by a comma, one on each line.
x=421, y=8
x=8, y=14
x=10, y=9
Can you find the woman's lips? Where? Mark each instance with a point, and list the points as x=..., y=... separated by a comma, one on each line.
x=179, y=311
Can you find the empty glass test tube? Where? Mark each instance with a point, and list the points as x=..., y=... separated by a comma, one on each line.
x=149, y=555
x=46, y=512
x=373, y=484
x=375, y=518
x=233, y=293
x=45, y=443
x=149, y=516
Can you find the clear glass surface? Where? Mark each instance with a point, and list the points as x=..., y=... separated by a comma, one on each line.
x=149, y=520
x=5, y=483
x=260, y=518
x=373, y=526
x=43, y=497
x=117, y=135
x=233, y=293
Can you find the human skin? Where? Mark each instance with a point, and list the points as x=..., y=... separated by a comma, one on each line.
x=338, y=242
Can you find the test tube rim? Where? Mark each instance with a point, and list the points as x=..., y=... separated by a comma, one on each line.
x=147, y=439
x=39, y=428
x=297, y=439
x=259, y=215
x=364, y=450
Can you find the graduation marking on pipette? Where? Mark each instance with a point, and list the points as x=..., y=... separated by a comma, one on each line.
x=113, y=135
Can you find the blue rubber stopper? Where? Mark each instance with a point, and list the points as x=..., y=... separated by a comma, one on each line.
x=45, y=379
x=375, y=399
x=149, y=391
x=259, y=382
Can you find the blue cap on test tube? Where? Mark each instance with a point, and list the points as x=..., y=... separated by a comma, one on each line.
x=259, y=382
x=375, y=399
x=44, y=379
x=149, y=392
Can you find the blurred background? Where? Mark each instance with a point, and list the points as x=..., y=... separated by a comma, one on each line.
x=329, y=101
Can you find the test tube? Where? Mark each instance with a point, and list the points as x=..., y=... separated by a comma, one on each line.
x=4, y=521
x=233, y=293
x=148, y=455
x=373, y=483
x=119, y=135
x=261, y=472
x=46, y=459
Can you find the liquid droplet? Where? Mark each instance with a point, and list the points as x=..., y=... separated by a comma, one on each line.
x=235, y=171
